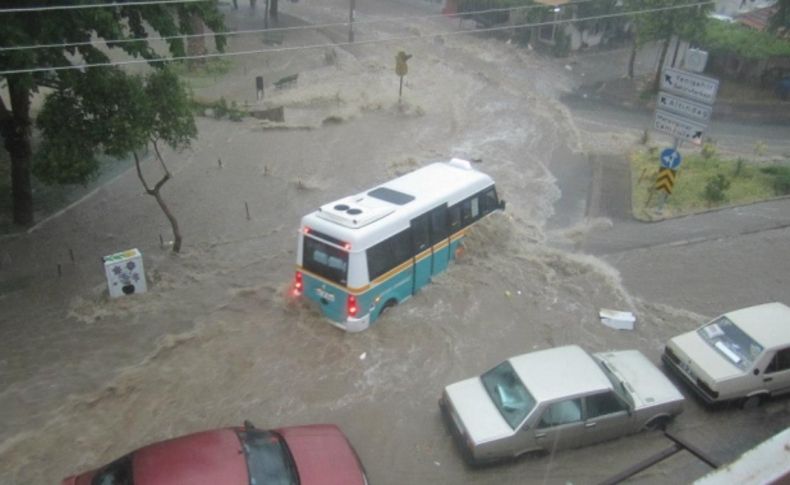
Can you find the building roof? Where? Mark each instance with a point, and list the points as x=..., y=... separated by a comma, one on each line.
x=757, y=19
x=560, y=372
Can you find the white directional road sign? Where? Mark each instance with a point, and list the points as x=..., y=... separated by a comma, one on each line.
x=684, y=107
x=678, y=127
x=690, y=85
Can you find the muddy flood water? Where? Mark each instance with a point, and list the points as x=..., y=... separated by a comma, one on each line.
x=216, y=340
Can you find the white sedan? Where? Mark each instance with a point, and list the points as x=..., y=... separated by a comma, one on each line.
x=743, y=355
x=557, y=398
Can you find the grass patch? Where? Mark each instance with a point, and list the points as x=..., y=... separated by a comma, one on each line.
x=218, y=109
x=703, y=183
x=204, y=74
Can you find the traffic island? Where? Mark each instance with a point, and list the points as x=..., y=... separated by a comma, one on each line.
x=705, y=181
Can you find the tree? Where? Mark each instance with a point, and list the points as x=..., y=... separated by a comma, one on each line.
x=112, y=24
x=686, y=23
x=780, y=20
x=116, y=114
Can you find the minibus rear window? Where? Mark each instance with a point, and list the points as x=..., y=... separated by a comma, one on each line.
x=325, y=260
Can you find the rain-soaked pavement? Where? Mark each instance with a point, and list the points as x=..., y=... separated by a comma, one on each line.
x=216, y=341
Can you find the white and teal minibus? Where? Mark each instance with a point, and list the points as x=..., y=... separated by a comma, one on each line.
x=364, y=253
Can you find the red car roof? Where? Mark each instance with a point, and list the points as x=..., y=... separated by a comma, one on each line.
x=323, y=455
x=206, y=458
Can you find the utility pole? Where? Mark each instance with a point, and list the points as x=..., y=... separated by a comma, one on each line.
x=351, y=7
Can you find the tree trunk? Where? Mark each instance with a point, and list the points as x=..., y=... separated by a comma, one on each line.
x=273, y=9
x=196, y=46
x=661, y=59
x=16, y=131
x=172, y=219
x=155, y=192
x=631, y=60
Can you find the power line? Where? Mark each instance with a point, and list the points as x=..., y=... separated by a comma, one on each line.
x=357, y=43
x=94, y=5
x=280, y=29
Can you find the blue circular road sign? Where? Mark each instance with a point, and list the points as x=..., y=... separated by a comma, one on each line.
x=670, y=158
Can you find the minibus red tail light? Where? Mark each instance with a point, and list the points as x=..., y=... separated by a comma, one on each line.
x=347, y=246
x=298, y=286
x=306, y=230
x=352, y=306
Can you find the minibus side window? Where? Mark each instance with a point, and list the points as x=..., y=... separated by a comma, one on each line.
x=471, y=210
x=388, y=254
x=455, y=218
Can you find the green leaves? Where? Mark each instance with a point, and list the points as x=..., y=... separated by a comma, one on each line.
x=105, y=110
x=688, y=23
x=101, y=110
x=722, y=37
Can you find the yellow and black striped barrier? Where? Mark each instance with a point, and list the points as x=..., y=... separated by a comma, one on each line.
x=665, y=180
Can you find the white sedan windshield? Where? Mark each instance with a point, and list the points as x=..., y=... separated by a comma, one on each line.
x=508, y=393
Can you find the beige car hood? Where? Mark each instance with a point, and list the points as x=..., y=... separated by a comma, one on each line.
x=481, y=419
x=704, y=360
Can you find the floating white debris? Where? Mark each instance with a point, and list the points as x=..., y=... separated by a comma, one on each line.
x=437, y=463
x=363, y=355
x=616, y=319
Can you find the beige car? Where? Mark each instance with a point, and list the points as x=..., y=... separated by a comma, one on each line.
x=743, y=355
x=557, y=398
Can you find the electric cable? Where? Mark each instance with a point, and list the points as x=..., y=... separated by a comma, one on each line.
x=280, y=29
x=94, y=5
x=357, y=43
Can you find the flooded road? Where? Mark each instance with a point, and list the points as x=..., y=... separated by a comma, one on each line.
x=216, y=340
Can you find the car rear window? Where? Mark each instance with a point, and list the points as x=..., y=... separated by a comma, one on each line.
x=325, y=260
x=731, y=342
x=269, y=461
x=118, y=472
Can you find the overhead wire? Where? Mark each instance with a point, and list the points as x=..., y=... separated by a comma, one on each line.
x=356, y=43
x=280, y=29
x=44, y=8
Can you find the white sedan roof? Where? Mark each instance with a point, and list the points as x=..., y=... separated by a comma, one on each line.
x=768, y=324
x=560, y=372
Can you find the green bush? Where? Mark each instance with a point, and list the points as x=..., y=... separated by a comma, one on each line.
x=562, y=45
x=219, y=109
x=716, y=188
x=738, y=167
x=708, y=151
x=781, y=178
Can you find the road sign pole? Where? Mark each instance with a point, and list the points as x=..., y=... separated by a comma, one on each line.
x=664, y=195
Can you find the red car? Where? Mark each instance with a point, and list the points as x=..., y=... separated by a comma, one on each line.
x=318, y=454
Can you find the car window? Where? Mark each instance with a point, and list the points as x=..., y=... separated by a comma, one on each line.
x=603, y=403
x=269, y=461
x=780, y=362
x=731, y=342
x=563, y=412
x=508, y=393
x=118, y=472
